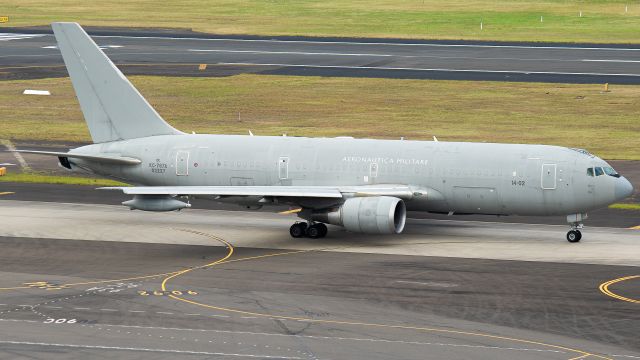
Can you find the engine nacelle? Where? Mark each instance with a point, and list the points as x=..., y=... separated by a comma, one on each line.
x=369, y=215
x=155, y=203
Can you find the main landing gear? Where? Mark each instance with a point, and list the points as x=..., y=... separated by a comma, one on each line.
x=312, y=230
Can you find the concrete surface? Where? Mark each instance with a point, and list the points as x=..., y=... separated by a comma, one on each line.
x=244, y=289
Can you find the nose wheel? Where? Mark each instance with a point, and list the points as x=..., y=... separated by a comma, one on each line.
x=575, y=220
x=313, y=231
x=574, y=236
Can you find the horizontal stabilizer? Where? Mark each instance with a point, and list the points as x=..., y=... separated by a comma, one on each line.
x=115, y=159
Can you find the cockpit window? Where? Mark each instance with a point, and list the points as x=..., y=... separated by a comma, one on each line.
x=590, y=171
x=599, y=171
x=609, y=171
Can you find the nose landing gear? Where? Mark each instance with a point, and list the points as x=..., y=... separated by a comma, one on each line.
x=575, y=220
x=313, y=230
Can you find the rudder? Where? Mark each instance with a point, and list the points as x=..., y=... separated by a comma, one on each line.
x=112, y=107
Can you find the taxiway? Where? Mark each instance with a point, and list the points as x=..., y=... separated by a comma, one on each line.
x=90, y=280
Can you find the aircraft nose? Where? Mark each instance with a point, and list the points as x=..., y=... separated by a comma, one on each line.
x=624, y=189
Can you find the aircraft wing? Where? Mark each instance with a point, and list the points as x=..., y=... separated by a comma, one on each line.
x=98, y=158
x=332, y=192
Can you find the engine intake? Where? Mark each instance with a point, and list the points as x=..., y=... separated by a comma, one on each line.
x=369, y=215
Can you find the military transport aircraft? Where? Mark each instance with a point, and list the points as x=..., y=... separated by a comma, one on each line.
x=363, y=185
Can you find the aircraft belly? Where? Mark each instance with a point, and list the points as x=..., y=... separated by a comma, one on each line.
x=476, y=200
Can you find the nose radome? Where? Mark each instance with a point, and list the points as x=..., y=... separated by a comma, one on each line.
x=624, y=189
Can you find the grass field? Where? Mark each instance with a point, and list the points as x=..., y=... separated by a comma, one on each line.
x=583, y=116
x=55, y=179
x=601, y=21
x=625, y=206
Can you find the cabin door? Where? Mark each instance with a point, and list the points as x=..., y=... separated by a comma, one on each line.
x=549, y=176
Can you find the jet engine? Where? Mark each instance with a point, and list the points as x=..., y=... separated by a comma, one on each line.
x=369, y=215
x=155, y=203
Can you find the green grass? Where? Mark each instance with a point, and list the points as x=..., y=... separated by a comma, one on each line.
x=606, y=124
x=623, y=206
x=55, y=179
x=519, y=20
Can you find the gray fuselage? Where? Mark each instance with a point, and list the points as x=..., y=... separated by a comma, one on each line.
x=479, y=178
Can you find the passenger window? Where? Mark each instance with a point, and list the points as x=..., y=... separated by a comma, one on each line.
x=599, y=171
x=590, y=171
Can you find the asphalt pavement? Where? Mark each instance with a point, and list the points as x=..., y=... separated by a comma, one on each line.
x=29, y=53
x=87, y=281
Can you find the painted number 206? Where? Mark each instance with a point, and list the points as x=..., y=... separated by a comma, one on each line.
x=68, y=321
x=60, y=321
x=167, y=293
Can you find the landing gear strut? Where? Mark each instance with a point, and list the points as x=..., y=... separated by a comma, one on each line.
x=314, y=230
x=574, y=235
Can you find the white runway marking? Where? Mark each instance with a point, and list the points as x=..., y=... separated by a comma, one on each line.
x=7, y=36
x=428, y=283
x=425, y=69
x=263, y=52
x=146, y=350
x=336, y=338
x=296, y=53
x=612, y=60
x=320, y=42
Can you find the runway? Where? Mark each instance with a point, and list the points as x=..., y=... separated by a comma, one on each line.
x=33, y=54
x=90, y=280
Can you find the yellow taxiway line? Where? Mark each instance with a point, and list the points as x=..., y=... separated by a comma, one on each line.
x=33, y=285
x=581, y=354
x=6, y=193
x=292, y=211
x=604, y=288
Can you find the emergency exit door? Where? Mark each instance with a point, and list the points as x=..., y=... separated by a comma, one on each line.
x=182, y=163
x=283, y=168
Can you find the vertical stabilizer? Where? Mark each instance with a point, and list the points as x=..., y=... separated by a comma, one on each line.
x=113, y=109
